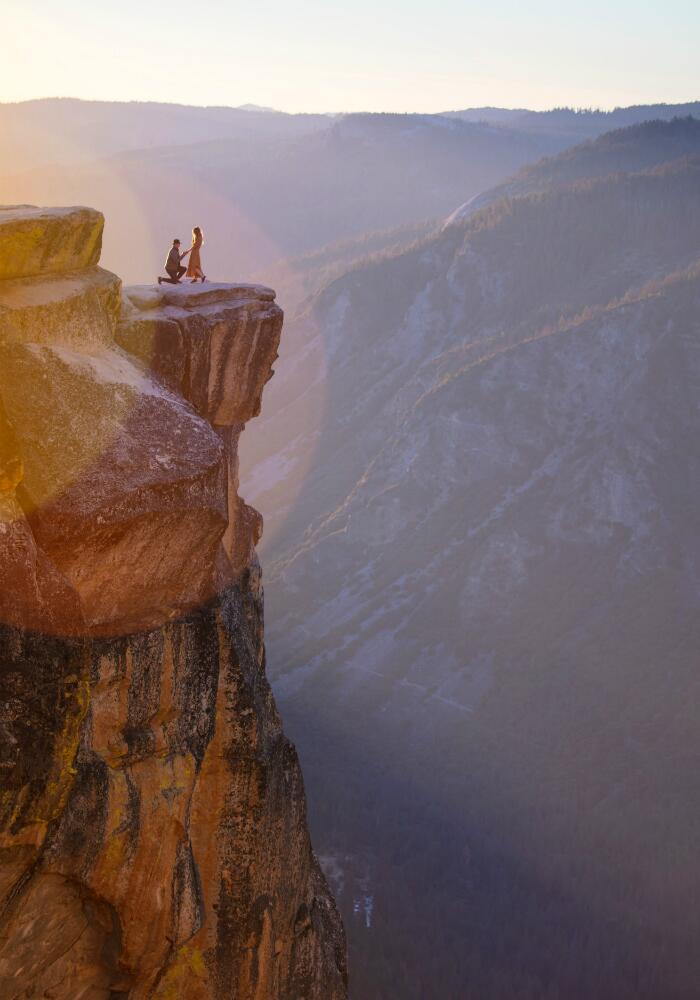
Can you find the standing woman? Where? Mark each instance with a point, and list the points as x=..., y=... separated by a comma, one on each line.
x=194, y=269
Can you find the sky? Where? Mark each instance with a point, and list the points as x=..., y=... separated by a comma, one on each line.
x=368, y=55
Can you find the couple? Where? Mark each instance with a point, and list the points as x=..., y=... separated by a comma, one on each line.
x=173, y=264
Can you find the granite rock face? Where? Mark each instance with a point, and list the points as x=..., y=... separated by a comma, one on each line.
x=48, y=240
x=184, y=335
x=153, y=839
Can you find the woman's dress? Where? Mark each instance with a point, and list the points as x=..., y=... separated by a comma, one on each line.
x=194, y=264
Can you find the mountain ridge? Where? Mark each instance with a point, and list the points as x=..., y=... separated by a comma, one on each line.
x=486, y=455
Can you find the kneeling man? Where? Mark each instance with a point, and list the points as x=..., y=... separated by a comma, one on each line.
x=173, y=265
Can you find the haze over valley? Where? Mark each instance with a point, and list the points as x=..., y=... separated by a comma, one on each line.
x=478, y=465
x=267, y=186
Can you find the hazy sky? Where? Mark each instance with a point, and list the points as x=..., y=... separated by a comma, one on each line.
x=393, y=55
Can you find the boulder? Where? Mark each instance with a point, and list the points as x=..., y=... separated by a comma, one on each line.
x=79, y=307
x=48, y=240
x=113, y=463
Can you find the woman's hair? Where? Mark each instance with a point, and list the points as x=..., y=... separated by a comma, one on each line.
x=197, y=232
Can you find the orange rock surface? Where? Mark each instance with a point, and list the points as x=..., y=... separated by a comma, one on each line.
x=153, y=840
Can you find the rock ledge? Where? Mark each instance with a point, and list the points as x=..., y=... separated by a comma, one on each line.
x=48, y=240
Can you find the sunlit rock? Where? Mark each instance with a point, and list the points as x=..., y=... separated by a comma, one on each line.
x=48, y=240
x=214, y=344
x=153, y=839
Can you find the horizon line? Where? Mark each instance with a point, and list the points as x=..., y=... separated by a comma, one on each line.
x=252, y=107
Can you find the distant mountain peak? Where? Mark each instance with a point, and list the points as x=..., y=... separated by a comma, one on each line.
x=259, y=108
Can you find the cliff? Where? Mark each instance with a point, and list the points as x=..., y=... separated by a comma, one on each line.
x=153, y=841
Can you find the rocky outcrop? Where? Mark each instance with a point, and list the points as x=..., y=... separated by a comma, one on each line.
x=153, y=839
x=48, y=241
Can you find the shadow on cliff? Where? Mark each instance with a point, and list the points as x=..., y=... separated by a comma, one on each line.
x=471, y=894
x=482, y=883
